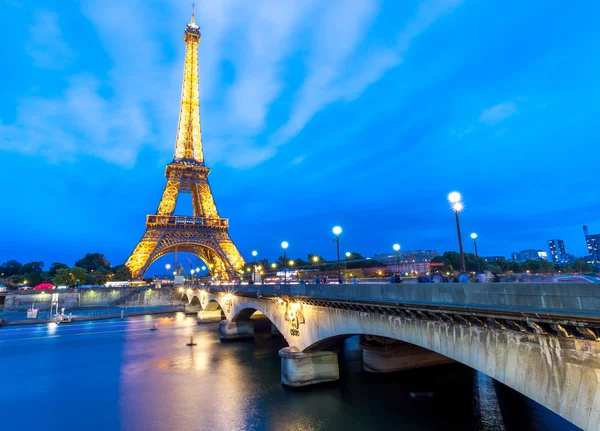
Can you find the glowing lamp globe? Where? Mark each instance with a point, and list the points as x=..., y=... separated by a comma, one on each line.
x=397, y=247
x=454, y=197
x=254, y=253
x=337, y=230
x=284, y=245
x=474, y=235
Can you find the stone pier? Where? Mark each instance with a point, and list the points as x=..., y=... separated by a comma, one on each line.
x=308, y=368
x=239, y=330
x=208, y=317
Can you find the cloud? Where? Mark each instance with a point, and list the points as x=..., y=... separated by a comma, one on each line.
x=81, y=122
x=498, y=113
x=337, y=73
x=113, y=112
x=46, y=45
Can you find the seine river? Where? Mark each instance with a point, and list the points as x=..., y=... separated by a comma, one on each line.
x=120, y=375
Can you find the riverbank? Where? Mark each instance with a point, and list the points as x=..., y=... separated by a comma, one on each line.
x=82, y=315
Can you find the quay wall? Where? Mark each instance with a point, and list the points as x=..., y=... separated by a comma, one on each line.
x=100, y=297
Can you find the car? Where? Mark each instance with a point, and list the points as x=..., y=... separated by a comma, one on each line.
x=24, y=287
x=3, y=288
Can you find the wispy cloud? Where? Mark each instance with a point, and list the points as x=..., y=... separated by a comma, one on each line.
x=336, y=73
x=46, y=45
x=498, y=113
x=113, y=114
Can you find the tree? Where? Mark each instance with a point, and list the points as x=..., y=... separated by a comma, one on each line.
x=121, y=273
x=63, y=277
x=55, y=267
x=12, y=267
x=92, y=261
x=32, y=267
x=69, y=276
x=98, y=276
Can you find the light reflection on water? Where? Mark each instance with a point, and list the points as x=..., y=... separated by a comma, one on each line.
x=121, y=375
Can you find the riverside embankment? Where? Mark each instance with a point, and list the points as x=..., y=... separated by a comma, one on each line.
x=88, y=304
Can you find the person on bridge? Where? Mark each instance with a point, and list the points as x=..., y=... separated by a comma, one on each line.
x=317, y=280
x=354, y=280
x=463, y=277
x=437, y=278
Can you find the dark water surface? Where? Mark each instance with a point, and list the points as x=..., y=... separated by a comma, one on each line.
x=111, y=375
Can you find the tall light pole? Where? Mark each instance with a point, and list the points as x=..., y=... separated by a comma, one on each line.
x=474, y=237
x=315, y=260
x=284, y=246
x=254, y=253
x=192, y=272
x=397, y=248
x=457, y=206
x=337, y=231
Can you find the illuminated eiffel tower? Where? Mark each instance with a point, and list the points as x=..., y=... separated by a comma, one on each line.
x=204, y=234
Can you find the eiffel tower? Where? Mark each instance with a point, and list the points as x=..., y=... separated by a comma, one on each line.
x=204, y=234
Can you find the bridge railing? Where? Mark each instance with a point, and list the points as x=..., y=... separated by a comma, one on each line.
x=557, y=298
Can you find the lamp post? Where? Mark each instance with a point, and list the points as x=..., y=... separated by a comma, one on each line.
x=474, y=237
x=337, y=231
x=315, y=260
x=284, y=246
x=192, y=272
x=254, y=253
x=397, y=248
x=168, y=267
x=457, y=206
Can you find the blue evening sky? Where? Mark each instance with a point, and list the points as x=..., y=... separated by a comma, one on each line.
x=362, y=113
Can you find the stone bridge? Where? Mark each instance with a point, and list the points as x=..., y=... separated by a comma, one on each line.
x=539, y=339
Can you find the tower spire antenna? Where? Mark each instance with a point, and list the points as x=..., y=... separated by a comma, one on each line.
x=193, y=14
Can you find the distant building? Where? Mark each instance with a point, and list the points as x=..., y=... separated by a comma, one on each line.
x=493, y=258
x=593, y=246
x=408, y=261
x=531, y=254
x=557, y=251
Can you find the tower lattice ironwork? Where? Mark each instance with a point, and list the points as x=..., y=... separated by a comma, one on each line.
x=204, y=234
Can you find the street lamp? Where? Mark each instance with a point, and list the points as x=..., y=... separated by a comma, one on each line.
x=284, y=246
x=192, y=272
x=397, y=248
x=457, y=206
x=315, y=260
x=254, y=253
x=474, y=237
x=337, y=231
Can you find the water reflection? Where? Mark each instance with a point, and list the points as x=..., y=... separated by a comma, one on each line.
x=125, y=376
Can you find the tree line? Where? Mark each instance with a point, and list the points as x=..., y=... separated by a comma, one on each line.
x=93, y=268
x=502, y=266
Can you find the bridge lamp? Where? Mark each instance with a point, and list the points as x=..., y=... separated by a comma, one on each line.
x=197, y=270
x=168, y=266
x=474, y=238
x=292, y=263
x=273, y=265
x=284, y=246
x=457, y=206
x=396, y=247
x=337, y=231
x=254, y=253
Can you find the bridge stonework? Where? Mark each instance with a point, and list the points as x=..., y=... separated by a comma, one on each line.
x=560, y=373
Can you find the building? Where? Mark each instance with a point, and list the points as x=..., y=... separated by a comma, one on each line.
x=531, y=254
x=557, y=251
x=593, y=246
x=410, y=261
x=491, y=259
